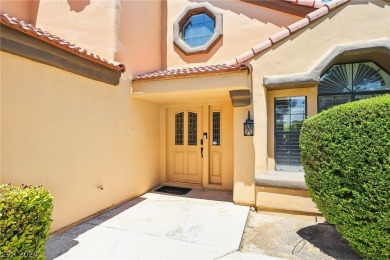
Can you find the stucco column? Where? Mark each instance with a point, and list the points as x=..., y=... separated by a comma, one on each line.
x=244, y=160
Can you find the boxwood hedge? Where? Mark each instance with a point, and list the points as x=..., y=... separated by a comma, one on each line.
x=345, y=152
x=25, y=217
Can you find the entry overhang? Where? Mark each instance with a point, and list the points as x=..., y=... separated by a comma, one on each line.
x=215, y=87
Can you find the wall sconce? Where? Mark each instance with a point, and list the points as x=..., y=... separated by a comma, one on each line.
x=249, y=126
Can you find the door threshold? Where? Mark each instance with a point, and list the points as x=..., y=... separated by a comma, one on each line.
x=183, y=185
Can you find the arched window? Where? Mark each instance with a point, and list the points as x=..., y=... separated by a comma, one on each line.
x=344, y=83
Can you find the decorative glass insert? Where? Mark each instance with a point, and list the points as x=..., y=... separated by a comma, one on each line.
x=192, y=128
x=289, y=115
x=216, y=128
x=198, y=29
x=344, y=83
x=179, y=128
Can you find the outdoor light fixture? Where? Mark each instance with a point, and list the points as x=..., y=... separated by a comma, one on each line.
x=249, y=126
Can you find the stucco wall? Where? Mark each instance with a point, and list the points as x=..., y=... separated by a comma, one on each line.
x=25, y=10
x=139, y=36
x=244, y=25
x=72, y=134
x=90, y=24
x=122, y=30
x=355, y=22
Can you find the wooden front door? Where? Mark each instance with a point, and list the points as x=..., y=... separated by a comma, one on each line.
x=184, y=145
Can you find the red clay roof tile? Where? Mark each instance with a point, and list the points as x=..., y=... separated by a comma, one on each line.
x=285, y=33
x=237, y=63
x=38, y=33
x=202, y=70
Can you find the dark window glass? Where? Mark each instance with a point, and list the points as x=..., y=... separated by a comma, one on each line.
x=179, y=128
x=289, y=115
x=216, y=128
x=192, y=128
x=344, y=83
x=198, y=29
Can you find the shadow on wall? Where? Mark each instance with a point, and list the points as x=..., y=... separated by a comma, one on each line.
x=78, y=5
x=325, y=237
x=198, y=58
x=254, y=12
x=62, y=242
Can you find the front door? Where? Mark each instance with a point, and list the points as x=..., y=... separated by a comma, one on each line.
x=184, y=145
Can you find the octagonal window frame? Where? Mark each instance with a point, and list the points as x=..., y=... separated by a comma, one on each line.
x=186, y=14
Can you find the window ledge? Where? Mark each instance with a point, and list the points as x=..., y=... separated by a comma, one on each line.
x=289, y=180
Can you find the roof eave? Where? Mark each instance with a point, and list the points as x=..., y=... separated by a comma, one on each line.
x=24, y=45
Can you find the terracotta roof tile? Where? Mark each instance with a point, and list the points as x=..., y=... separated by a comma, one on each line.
x=202, y=70
x=285, y=33
x=38, y=33
x=238, y=63
x=309, y=3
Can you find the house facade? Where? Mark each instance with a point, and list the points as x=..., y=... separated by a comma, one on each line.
x=168, y=103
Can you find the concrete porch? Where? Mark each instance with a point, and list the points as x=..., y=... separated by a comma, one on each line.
x=199, y=225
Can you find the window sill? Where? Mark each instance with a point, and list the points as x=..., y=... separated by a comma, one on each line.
x=289, y=180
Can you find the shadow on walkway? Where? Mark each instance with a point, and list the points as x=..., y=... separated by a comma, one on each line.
x=61, y=242
x=325, y=237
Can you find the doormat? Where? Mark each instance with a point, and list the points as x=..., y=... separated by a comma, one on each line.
x=173, y=190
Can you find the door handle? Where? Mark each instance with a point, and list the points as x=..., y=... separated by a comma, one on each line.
x=201, y=152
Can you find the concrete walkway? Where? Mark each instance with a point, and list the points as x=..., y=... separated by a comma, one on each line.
x=200, y=225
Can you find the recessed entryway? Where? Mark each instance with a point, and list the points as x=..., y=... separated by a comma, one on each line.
x=199, y=142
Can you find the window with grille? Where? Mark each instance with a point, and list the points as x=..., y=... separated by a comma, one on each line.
x=344, y=83
x=192, y=128
x=289, y=115
x=179, y=128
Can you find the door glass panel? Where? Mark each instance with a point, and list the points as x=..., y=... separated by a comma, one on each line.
x=179, y=128
x=216, y=128
x=192, y=128
x=289, y=115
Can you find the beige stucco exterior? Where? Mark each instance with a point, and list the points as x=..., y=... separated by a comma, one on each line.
x=72, y=134
x=140, y=36
x=311, y=110
x=25, y=10
x=66, y=19
x=303, y=51
x=244, y=26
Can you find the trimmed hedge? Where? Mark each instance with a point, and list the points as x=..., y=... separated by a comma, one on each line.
x=25, y=218
x=345, y=152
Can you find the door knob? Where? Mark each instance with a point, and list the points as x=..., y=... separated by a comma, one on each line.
x=201, y=152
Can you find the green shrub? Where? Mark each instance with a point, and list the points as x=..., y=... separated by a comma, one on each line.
x=345, y=152
x=25, y=217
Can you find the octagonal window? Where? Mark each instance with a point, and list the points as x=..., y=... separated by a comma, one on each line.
x=198, y=29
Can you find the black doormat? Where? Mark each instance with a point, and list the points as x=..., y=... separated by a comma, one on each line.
x=173, y=190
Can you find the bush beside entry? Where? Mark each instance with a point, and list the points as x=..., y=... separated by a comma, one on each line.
x=346, y=156
x=25, y=217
